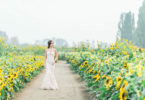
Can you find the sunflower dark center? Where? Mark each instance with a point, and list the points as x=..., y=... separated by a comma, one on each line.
x=123, y=96
x=107, y=81
x=119, y=79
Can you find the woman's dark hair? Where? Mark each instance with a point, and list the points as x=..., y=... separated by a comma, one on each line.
x=49, y=42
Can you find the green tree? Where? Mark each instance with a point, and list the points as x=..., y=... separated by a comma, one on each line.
x=140, y=30
x=126, y=26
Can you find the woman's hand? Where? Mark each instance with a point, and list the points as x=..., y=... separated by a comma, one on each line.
x=56, y=60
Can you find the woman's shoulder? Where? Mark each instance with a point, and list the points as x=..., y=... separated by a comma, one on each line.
x=54, y=49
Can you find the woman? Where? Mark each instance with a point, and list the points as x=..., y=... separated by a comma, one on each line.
x=51, y=57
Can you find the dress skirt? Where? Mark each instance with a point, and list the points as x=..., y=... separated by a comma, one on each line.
x=49, y=81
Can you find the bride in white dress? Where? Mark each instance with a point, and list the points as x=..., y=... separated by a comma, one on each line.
x=49, y=81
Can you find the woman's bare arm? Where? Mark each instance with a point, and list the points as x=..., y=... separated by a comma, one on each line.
x=45, y=57
x=56, y=55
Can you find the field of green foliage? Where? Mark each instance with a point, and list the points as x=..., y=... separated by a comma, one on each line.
x=112, y=73
x=18, y=66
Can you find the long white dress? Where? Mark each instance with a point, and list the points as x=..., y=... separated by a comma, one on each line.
x=49, y=81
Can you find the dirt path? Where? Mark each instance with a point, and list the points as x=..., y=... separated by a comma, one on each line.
x=70, y=86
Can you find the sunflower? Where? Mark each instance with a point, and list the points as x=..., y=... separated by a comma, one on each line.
x=92, y=64
x=1, y=78
x=85, y=63
x=1, y=70
x=108, y=82
x=94, y=72
x=112, y=47
x=99, y=71
x=125, y=64
x=123, y=94
x=16, y=75
x=124, y=85
x=103, y=76
x=97, y=74
x=97, y=78
x=119, y=80
x=125, y=53
x=12, y=79
x=9, y=77
x=131, y=70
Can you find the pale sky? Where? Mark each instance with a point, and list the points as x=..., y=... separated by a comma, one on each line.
x=73, y=20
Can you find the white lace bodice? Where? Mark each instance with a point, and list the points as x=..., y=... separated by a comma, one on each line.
x=50, y=55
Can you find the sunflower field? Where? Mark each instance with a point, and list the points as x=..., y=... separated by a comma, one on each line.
x=116, y=72
x=17, y=66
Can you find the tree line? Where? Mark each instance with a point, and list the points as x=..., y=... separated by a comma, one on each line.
x=127, y=29
x=59, y=42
